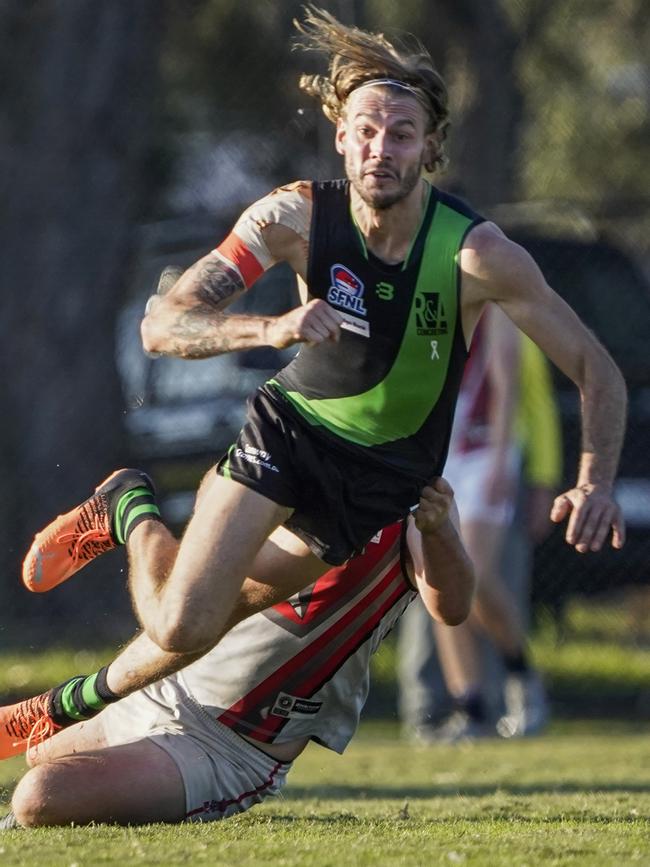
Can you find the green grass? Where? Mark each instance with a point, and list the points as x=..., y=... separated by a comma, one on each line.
x=27, y=673
x=577, y=796
x=599, y=660
x=601, y=665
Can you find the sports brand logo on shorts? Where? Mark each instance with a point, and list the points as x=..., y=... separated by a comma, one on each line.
x=346, y=290
x=256, y=456
x=291, y=706
x=430, y=316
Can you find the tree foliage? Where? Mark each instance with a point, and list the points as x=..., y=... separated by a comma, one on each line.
x=229, y=66
x=549, y=98
x=583, y=65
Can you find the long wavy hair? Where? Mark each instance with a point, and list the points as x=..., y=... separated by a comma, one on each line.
x=357, y=56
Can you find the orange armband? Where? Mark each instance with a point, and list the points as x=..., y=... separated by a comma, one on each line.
x=236, y=254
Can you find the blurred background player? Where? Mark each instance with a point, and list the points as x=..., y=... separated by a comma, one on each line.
x=539, y=432
x=506, y=415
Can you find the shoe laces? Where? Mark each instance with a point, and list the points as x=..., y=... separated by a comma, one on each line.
x=92, y=536
x=90, y=531
x=43, y=728
x=31, y=722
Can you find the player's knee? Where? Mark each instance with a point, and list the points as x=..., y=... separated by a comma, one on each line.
x=36, y=800
x=182, y=637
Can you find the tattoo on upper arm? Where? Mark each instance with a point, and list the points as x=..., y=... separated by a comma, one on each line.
x=217, y=283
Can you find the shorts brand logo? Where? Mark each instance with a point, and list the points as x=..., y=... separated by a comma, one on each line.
x=293, y=706
x=256, y=456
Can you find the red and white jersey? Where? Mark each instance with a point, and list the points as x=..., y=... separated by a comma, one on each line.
x=301, y=668
x=471, y=425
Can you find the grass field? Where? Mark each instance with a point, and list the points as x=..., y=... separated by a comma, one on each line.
x=579, y=795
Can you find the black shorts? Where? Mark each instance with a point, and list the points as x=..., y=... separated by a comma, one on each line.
x=339, y=500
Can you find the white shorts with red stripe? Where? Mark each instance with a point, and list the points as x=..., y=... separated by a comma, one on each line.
x=223, y=774
x=468, y=473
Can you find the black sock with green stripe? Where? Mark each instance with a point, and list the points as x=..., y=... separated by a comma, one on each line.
x=81, y=698
x=131, y=508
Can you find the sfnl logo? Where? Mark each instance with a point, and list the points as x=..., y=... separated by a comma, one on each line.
x=346, y=290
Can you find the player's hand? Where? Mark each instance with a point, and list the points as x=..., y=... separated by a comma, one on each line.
x=592, y=513
x=433, y=509
x=312, y=323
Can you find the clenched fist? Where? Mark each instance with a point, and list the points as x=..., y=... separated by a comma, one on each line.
x=433, y=508
x=312, y=323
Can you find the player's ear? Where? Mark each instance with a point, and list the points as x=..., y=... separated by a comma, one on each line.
x=339, y=137
x=431, y=151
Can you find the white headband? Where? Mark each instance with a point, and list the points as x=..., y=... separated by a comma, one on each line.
x=389, y=82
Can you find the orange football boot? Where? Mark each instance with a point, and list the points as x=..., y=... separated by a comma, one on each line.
x=26, y=724
x=72, y=540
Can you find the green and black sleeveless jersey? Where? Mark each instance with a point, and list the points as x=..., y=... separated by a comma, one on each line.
x=388, y=389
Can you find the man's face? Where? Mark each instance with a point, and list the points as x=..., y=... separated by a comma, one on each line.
x=384, y=141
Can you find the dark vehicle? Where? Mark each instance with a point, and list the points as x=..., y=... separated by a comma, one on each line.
x=611, y=295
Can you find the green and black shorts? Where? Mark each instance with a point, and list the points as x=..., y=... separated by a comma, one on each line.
x=340, y=499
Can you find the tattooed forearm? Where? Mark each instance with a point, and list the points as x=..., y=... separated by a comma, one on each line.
x=190, y=320
x=202, y=332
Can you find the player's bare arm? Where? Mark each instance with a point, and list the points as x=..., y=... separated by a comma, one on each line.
x=442, y=571
x=496, y=269
x=189, y=321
